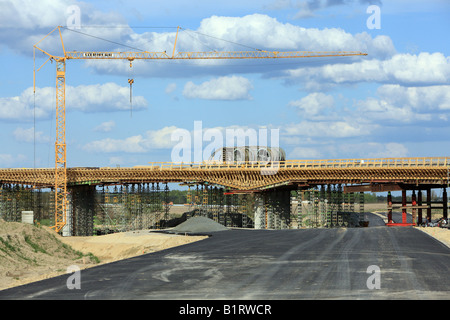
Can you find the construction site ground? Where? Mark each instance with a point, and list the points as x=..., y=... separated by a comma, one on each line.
x=29, y=253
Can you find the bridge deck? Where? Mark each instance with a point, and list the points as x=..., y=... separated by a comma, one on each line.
x=251, y=175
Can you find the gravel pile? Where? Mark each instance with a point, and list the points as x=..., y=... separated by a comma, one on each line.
x=198, y=225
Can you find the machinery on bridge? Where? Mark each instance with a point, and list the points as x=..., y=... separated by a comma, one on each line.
x=248, y=154
x=60, y=177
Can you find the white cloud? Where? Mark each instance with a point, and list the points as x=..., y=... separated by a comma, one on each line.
x=382, y=110
x=85, y=98
x=152, y=139
x=328, y=129
x=106, y=126
x=6, y=160
x=305, y=153
x=375, y=150
x=407, y=104
x=171, y=87
x=313, y=105
x=425, y=98
x=102, y=97
x=405, y=69
x=31, y=21
x=222, y=88
x=132, y=144
x=310, y=8
x=11, y=161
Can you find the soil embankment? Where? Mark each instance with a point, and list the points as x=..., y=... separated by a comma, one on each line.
x=29, y=253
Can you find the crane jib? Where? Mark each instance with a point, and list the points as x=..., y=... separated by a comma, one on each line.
x=208, y=55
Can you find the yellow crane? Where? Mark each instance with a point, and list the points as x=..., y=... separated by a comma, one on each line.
x=60, y=185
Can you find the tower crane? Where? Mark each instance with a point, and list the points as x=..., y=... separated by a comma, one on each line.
x=60, y=184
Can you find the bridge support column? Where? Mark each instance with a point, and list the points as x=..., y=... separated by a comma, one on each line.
x=389, y=200
x=403, y=206
x=259, y=209
x=272, y=209
x=82, y=210
x=429, y=204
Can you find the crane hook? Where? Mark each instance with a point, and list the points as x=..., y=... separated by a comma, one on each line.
x=131, y=81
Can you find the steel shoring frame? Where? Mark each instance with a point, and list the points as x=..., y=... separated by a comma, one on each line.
x=351, y=202
x=153, y=205
x=300, y=196
x=322, y=206
x=260, y=207
x=361, y=207
x=166, y=203
x=7, y=201
x=339, y=206
x=228, y=202
x=215, y=204
x=221, y=206
x=204, y=207
x=314, y=212
x=329, y=207
x=210, y=203
x=244, y=217
x=2, y=201
x=275, y=209
x=235, y=210
x=269, y=210
x=333, y=206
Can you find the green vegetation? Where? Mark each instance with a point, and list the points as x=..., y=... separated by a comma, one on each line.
x=34, y=245
x=8, y=246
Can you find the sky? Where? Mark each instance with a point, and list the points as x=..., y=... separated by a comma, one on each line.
x=394, y=102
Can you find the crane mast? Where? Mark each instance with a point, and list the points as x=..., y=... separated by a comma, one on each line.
x=60, y=185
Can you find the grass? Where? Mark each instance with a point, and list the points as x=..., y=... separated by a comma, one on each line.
x=33, y=245
x=8, y=246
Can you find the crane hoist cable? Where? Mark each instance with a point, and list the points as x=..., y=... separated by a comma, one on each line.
x=131, y=81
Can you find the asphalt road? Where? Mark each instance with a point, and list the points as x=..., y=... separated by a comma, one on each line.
x=271, y=264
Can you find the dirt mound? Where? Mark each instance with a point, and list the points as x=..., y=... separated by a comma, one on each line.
x=29, y=252
x=198, y=225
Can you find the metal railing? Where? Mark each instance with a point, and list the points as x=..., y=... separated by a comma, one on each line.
x=418, y=162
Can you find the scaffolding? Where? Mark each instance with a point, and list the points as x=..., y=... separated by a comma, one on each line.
x=326, y=206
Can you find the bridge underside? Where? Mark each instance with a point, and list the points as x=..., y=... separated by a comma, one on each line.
x=285, y=195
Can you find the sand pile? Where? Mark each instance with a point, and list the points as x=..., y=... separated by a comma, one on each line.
x=31, y=253
x=198, y=225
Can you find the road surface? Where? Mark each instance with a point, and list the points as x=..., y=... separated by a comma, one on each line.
x=271, y=264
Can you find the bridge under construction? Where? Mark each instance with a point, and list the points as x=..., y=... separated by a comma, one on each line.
x=285, y=194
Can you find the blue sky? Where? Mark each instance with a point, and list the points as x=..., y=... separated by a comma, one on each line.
x=395, y=102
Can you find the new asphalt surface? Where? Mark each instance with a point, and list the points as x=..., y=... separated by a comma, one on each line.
x=271, y=264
